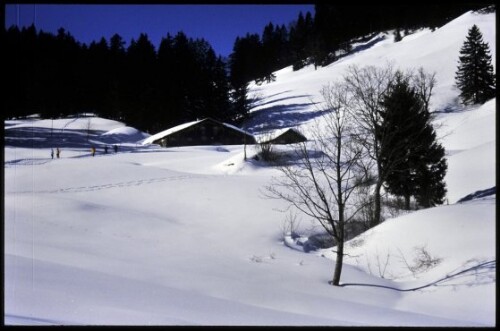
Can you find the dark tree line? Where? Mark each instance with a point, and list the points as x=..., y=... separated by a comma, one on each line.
x=55, y=75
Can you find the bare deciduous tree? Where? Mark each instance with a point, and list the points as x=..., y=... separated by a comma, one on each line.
x=328, y=171
x=88, y=127
x=265, y=147
x=424, y=84
x=368, y=86
x=333, y=169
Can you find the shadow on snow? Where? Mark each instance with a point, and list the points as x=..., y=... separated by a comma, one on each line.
x=281, y=116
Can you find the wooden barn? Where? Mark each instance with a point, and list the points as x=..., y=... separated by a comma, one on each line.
x=285, y=136
x=203, y=132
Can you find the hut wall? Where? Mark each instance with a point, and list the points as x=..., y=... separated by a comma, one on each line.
x=289, y=137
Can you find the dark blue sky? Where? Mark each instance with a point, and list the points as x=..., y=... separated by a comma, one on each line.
x=218, y=24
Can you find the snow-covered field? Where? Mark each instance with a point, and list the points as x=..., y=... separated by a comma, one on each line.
x=176, y=236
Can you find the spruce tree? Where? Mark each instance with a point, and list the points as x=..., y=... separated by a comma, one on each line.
x=397, y=35
x=475, y=77
x=409, y=148
x=400, y=108
x=430, y=188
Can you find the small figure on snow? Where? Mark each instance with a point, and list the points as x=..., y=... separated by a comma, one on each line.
x=106, y=149
x=52, y=153
x=115, y=147
x=93, y=150
x=58, y=152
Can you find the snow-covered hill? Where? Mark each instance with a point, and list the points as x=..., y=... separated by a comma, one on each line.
x=153, y=236
x=290, y=99
x=294, y=99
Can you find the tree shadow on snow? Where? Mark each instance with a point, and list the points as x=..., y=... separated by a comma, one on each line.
x=47, y=138
x=40, y=138
x=281, y=116
x=257, y=104
x=366, y=46
x=256, y=96
x=480, y=273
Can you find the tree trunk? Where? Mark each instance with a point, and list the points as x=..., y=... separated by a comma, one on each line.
x=377, y=209
x=338, y=263
x=407, y=202
x=340, y=245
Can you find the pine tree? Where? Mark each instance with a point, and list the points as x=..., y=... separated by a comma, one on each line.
x=245, y=61
x=400, y=108
x=114, y=101
x=430, y=187
x=240, y=104
x=409, y=147
x=300, y=33
x=140, y=84
x=397, y=35
x=475, y=77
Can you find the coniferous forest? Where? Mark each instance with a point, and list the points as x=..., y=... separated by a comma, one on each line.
x=54, y=75
x=183, y=79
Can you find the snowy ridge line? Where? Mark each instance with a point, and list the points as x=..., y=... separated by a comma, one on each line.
x=112, y=185
x=485, y=265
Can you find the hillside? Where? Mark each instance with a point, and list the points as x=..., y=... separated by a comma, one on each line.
x=294, y=99
x=290, y=99
x=184, y=236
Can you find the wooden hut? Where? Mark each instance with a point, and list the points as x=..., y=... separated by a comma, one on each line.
x=285, y=136
x=203, y=132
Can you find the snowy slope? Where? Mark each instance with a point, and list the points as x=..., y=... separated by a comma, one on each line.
x=184, y=236
x=292, y=99
x=469, y=139
x=468, y=134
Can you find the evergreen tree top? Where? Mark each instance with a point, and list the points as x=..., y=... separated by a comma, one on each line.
x=475, y=77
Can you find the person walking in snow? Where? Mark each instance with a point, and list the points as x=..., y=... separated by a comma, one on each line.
x=58, y=152
x=52, y=153
x=115, y=147
x=106, y=149
x=93, y=150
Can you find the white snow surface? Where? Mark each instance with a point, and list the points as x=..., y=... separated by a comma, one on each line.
x=185, y=236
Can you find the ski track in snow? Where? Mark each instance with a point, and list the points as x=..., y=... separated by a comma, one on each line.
x=26, y=162
x=110, y=185
x=12, y=319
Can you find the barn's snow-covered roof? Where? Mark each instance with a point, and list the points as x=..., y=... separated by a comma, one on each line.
x=183, y=126
x=265, y=137
x=167, y=132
